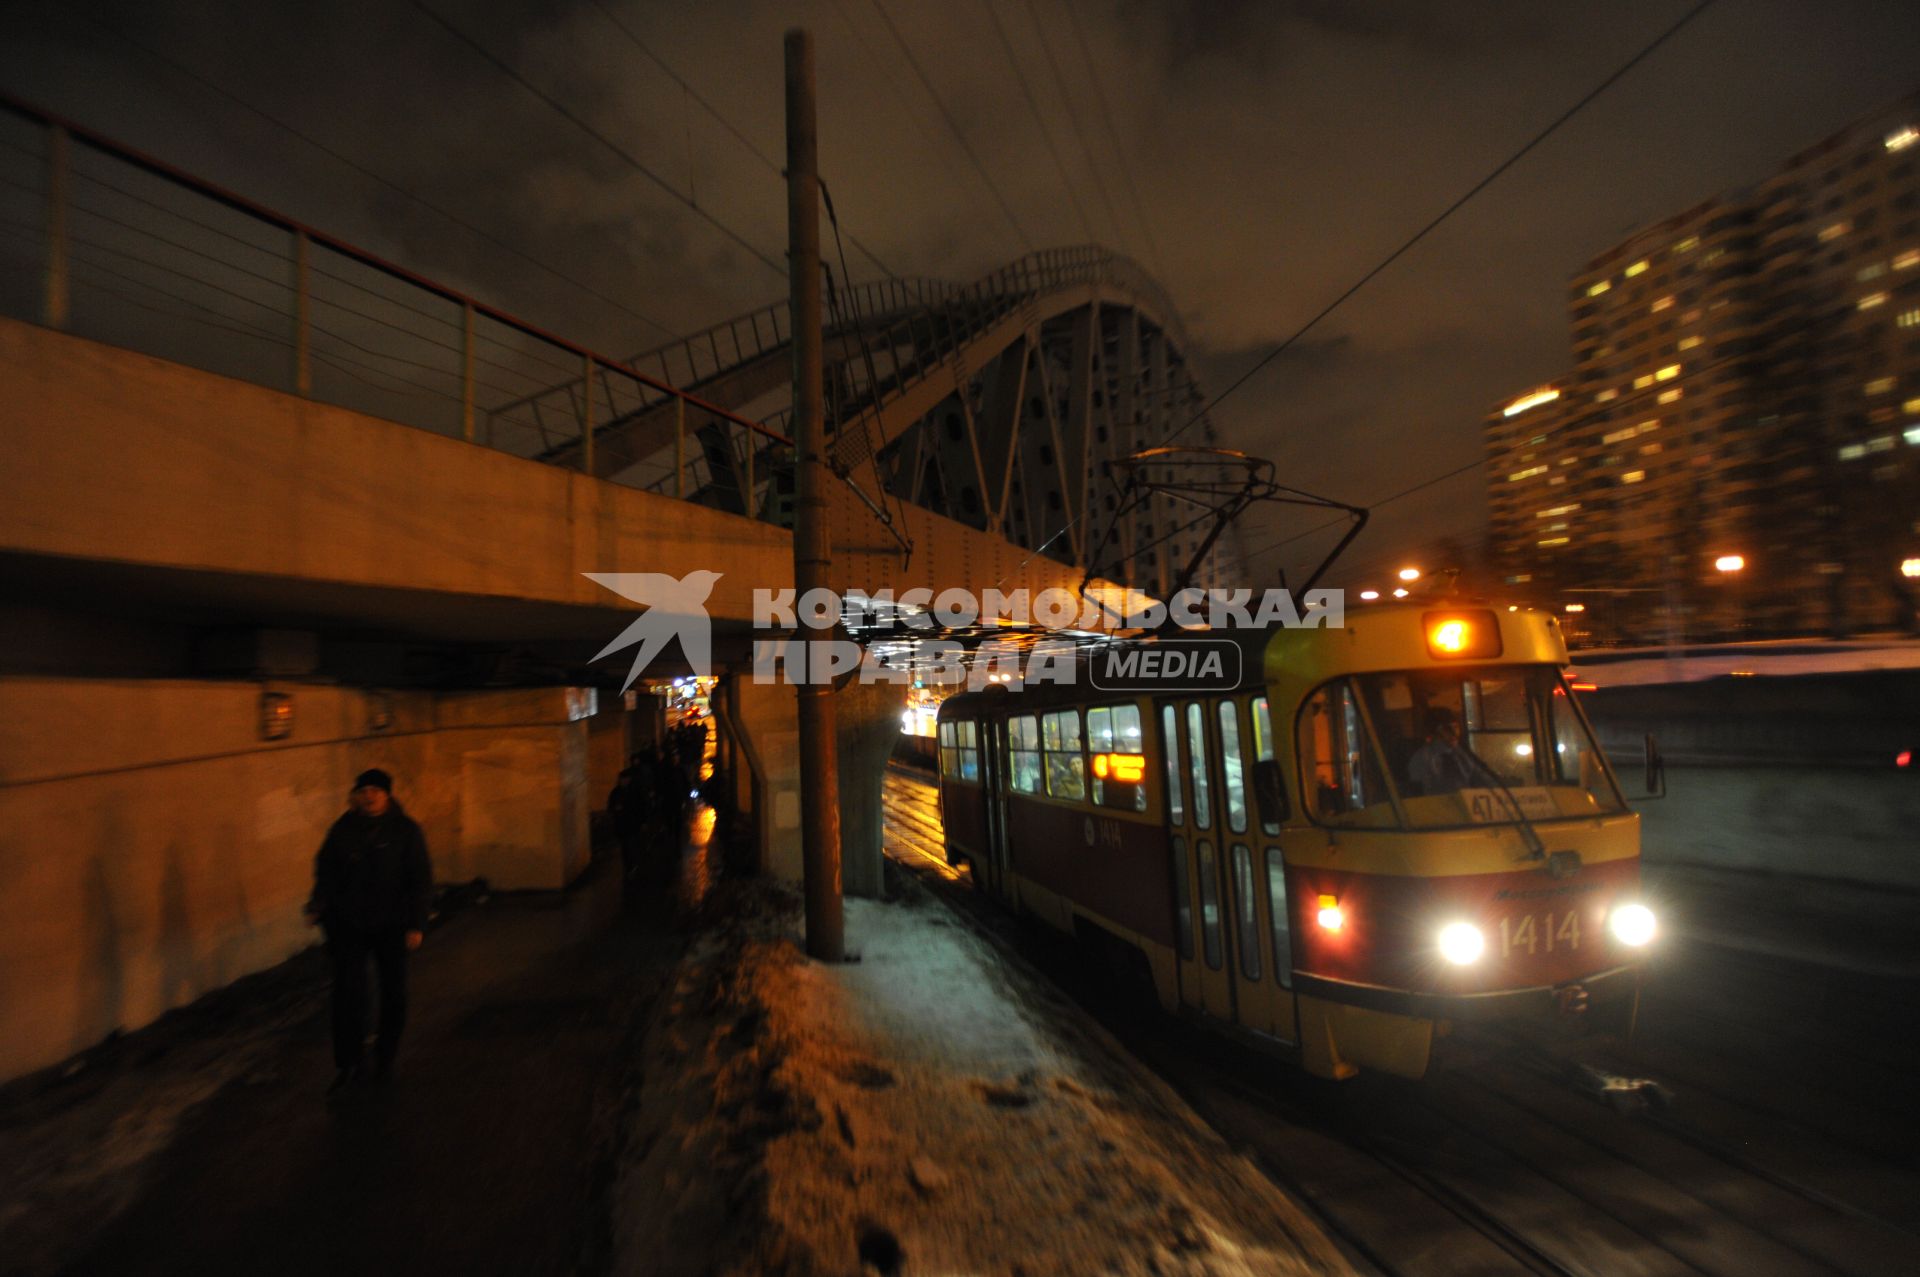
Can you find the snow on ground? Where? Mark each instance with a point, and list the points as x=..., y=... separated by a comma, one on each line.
x=929, y=1109
x=1622, y=667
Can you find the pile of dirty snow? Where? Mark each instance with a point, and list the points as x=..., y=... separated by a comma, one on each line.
x=928, y=1109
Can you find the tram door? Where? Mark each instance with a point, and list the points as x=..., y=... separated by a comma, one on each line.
x=1258, y=951
x=1206, y=980
x=993, y=785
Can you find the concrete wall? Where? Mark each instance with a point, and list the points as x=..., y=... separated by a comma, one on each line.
x=1791, y=775
x=153, y=847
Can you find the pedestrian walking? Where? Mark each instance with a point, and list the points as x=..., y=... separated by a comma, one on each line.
x=372, y=888
x=630, y=805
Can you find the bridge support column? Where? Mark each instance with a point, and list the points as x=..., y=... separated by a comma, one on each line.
x=868, y=720
x=763, y=720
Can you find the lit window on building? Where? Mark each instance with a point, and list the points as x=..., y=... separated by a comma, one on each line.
x=1668, y=373
x=1687, y=245
x=1688, y=343
x=1883, y=444
x=1853, y=452
x=1712, y=255
x=1663, y=303
x=1528, y=473
x=1599, y=288
x=1834, y=231
x=1670, y=396
x=1550, y=542
x=1871, y=300
x=1649, y=449
x=1606, y=396
x=1641, y=383
x=1901, y=139
x=1911, y=407
x=1618, y=435
x=1556, y=511
x=1907, y=260
x=1875, y=271
x=1879, y=386
x=1908, y=318
x=1633, y=476
x=1637, y=268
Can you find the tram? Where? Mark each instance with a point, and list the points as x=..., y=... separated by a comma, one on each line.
x=1383, y=828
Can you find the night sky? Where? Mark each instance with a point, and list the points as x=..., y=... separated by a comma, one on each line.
x=1268, y=156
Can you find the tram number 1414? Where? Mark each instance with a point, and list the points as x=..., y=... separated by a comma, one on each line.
x=1552, y=931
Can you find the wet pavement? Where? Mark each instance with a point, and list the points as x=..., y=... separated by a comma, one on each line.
x=490, y=1150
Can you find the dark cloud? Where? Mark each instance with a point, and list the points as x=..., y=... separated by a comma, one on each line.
x=1278, y=151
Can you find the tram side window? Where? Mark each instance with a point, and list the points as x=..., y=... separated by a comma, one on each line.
x=1343, y=777
x=1023, y=748
x=1182, y=900
x=1066, y=765
x=1277, y=916
x=1233, y=786
x=1119, y=759
x=1267, y=786
x=1197, y=766
x=1246, y=916
x=1170, y=739
x=1209, y=903
x=960, y=751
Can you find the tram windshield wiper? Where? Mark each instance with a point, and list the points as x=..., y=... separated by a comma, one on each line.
x=1536, y=846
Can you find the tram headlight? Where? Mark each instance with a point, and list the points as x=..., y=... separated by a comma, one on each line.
x=1461, y=943
x=1330, y=917
x=1632, y=925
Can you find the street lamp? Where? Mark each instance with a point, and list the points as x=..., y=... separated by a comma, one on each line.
x=1729, y=563
x=1409, y=574
x=1400, y=593
x=1910, y=568
x=1576, y=607
x=1371, y=595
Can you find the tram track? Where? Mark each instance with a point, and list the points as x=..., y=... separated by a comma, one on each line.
x=1499, y=1162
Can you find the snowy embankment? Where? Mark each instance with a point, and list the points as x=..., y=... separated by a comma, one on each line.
x=928, y=1109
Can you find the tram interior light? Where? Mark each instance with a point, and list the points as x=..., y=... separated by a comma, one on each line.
x=1330, y=917
x=1632, y=925
x=1461, y=943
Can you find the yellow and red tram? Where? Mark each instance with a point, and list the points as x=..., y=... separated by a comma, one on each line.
x=1386, y=826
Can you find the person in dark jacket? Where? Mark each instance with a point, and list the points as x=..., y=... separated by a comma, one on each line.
x=630, y=805
x=372, y=888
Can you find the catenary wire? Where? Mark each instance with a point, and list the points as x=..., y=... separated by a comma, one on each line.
x=565, y=112
x=700, y=99
x=1033, y=105
x=1079, y=130
x=1113, y=136
x=1625, y=67
x=1632, y=62
x=1026, y=241
x=207, y=83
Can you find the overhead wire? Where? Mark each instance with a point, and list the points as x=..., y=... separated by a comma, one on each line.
x=1079, y=130
x=1020, y=232
x=1645, y=51
x=1033, y=105
x=700, y=99
x=389, y=184
x=1632, y=62
x=1113, y=135
x=505, y=68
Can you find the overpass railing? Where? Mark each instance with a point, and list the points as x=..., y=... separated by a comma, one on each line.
x=101, y=240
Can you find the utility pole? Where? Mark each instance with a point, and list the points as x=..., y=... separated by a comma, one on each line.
x=812, y=547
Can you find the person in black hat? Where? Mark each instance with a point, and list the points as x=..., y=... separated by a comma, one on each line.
x=372, y=887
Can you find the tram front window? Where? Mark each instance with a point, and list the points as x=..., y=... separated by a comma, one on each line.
x=1481, y=745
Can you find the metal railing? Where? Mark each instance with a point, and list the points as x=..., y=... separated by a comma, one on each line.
x=131, y=251
x=128, y=250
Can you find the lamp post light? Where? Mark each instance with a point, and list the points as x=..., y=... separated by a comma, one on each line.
x=1730, y=566
x=1910, y=568
x=1371, y=595
x=1409, y=574
x=1729, y=563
